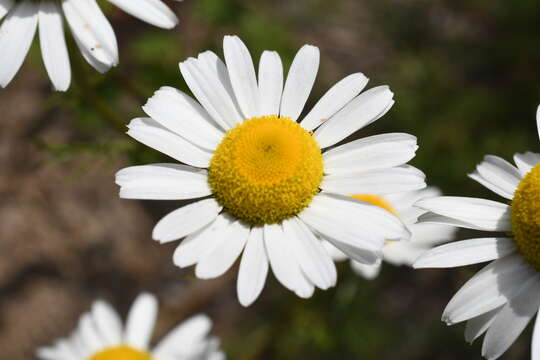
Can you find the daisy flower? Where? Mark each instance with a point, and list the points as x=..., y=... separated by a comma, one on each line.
x=423, y=236
x=504, y=296
x=91, y=30
x=100, y=335
x=270, y=191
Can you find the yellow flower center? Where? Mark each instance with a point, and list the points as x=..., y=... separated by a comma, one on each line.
x=526, y=217
x=377, y=201
x=266, y=170
x=121, y=353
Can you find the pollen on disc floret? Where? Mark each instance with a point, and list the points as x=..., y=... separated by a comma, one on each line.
x=266, y=170
x=526, y=217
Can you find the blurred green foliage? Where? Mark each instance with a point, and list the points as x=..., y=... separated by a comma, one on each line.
x=465, y=74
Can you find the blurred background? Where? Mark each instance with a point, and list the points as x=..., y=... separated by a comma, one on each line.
x=465, y=75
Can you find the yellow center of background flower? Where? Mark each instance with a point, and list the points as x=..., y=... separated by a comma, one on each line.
x=266, y=170
x=121, y=353
x=526, y=217
x=377, y=201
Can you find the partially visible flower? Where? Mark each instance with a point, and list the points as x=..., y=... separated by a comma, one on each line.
x=91, y=30
x=504, y=296
x=101, y=336
x=423, y=236
x=270, y=190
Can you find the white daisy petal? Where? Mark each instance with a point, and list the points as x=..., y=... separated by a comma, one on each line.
x=337, y=97
x=313, y=259
x=107, y=322
x=186, y=220
x=379, y=182
x=479, y=213
x=16, y=35
x=200, y=242
x=5, y=6
x=370, y=153
x=345, y=221
x=150, y=133
x=361, y=111
x=154, y=12
x=89, y=334
x=466, y=252
x=162, y=182
x=490, y=288
x=242, y=75
x=526, y=161
x=140, y=321
x=479, y=325
x=53, y=45
x=182, y=115
x=512, y=320
x=300, y=80
x=535, y=344
x=284, y=265
x=369, y=272
x=497, y=175
x=334, y=252
x=538, y=120
x=92, y=31
x=222, y=257
x=253, y=268
x=270, y=83
x=183, y=337
x=356, y=252
x=203, y=76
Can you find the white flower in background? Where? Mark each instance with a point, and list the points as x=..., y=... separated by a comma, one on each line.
x=270, y=190
x=100, y=335
x=91, y=30
x=504, y=296
x=423, y=236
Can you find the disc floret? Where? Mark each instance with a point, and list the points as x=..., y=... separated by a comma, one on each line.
x=266, y=170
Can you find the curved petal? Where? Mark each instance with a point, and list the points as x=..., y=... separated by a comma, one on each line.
x=201, y=242
x=474, y=213
x=270, y=83
x=368, y=272
x=182, y=115
x=378, y=182
x=497, y=175
x=154, y=12
x=16, y=35
x=466, y=252
x=150, y=133
x=526, y=161
x=370, y=153
x=186, y=220
x=162, y=182
x=183, y=337
x=490, y=288
x=361, y=111
x=512, y=320
x=242, y=75
x=92, y=31
x=107, y=322
x=253, y=268
x=216, y=262
x=477, y=326
x=5, y=6
x=284, y=265
x=53, y=45
x=141, y=320
x=313, y=259
x=299, y=81
x=336, y=98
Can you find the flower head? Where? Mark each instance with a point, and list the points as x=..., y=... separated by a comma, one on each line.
x=101, y=336
x=273, y=192
x=504, y=296
x=91, y=30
